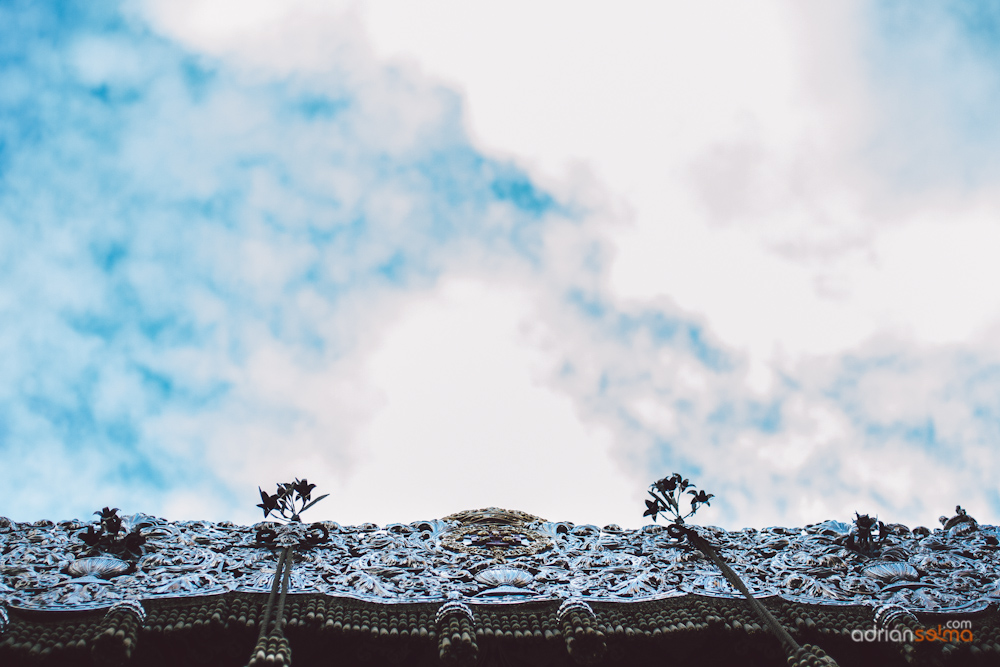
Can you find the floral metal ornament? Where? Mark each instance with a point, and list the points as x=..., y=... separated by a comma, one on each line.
x=290, y=500
x=106, y=538
x=956, y=574
x=960, y=524
x=113, y=550
x=291, y=535
x=667, y=495
x=861, y=538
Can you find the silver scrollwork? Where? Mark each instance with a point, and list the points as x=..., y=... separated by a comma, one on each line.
x=502, y=556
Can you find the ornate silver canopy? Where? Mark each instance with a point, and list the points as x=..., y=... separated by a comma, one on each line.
x=495, y=555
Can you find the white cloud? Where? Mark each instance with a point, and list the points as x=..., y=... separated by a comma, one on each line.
x=734, y=262
x=755, y=118
x=748, y=146
x=468, y=421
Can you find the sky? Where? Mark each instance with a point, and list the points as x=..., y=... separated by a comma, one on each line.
x=444, y=255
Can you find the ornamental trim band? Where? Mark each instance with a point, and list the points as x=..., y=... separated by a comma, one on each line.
x=495, y=556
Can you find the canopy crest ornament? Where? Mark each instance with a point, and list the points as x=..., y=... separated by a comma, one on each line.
x=496, y=533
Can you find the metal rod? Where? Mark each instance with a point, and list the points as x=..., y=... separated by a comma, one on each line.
x=274, y=592
x=285, y=579
x=702, y=544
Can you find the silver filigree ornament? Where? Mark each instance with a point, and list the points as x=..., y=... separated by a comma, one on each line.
x=408, y=563
x=504, y=575
x=963, y=528
x=291, y=534
x=892, y=571
x=496, y=541
x=4, y=619
x=98, y=567
x=505, y=580
x=495, y=533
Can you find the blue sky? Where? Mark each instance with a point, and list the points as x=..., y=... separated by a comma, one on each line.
x=443, y=258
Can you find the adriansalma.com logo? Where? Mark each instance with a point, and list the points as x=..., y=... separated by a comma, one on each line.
x=952, y=631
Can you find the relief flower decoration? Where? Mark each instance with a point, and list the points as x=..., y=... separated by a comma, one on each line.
x=106, y=538
x=667, y=495
x=290, y=500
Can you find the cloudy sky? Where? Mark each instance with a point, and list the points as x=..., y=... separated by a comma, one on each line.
x=444, y=255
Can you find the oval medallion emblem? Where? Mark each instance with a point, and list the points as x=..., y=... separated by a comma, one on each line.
x=495, y=533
